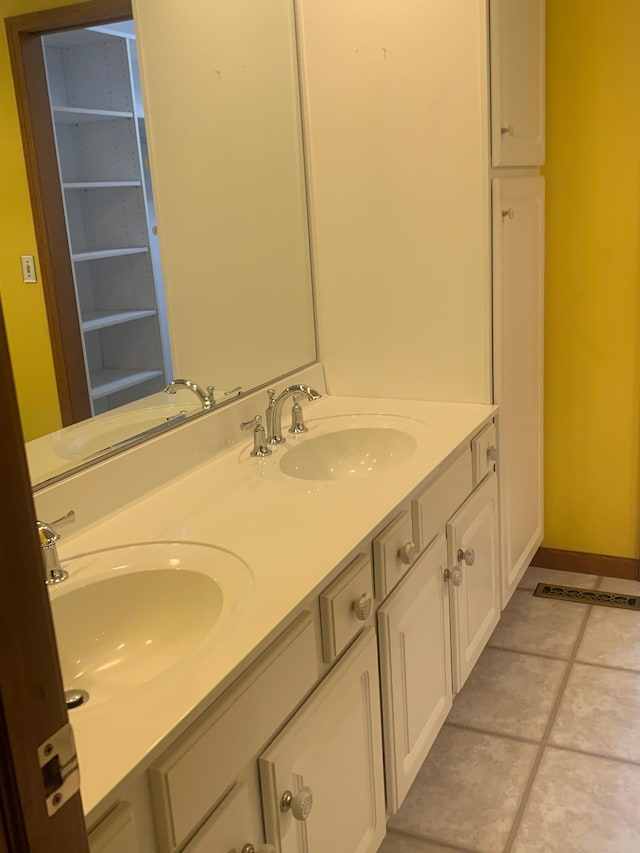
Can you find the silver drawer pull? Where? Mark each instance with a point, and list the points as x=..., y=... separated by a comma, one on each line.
x=492, y=454
x=362, y=607
x=468, y=556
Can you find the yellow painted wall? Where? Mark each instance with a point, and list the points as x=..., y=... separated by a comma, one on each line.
x=22, y=304
x=592, y=419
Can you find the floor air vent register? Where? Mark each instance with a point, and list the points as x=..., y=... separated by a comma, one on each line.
x=588, y=596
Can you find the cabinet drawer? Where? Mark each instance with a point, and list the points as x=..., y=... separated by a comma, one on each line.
x=345, y=607
x=393, y=553
x=484, y=452
x=432, y=509
x=195, y=772
x=116, y=833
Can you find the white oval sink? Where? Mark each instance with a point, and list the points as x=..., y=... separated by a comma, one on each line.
x=348, y=453
x=128, y=615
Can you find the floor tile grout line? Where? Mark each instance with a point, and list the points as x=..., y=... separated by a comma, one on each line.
x=430, y=840
x=532, y=742
x=591, y=754
x=481, y=731
x=579, y=662
x=517, y=821
x=533, y=654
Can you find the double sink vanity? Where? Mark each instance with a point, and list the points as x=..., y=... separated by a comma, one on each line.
x=269, y=646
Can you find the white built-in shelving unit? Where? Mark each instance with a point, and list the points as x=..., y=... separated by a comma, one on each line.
x=101, y=146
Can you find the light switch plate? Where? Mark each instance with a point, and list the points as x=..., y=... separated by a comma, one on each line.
x=28, y=268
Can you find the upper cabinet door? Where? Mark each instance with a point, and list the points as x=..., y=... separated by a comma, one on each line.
x=517, y=82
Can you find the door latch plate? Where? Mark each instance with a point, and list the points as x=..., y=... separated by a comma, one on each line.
x=59, y=767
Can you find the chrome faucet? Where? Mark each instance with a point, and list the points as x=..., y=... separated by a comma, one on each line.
x=53, y=571
x=205, y=397
x=274, y=409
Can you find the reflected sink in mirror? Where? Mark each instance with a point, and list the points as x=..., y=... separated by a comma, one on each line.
x=128, y=615
x=103, y=434
x=355, y=452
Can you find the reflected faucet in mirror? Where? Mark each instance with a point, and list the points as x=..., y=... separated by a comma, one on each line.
x=48, y=536
x=274, y=409
x=206, y=397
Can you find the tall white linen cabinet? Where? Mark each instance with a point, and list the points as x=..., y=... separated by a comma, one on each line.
x=424, y=133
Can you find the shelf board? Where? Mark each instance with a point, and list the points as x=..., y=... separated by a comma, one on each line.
x=93, y=320
x=78, y=257
x=110, y=380
x=97, y=185
x=80, y=115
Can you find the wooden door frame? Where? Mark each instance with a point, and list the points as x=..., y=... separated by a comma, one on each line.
x=24, y=33
x=32, y=704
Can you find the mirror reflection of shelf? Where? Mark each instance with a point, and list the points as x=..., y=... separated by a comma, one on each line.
x=97, y=185
x=84, y=115
x=79, y=257
x=108, y=203
x=94, y=320
x=108, y=381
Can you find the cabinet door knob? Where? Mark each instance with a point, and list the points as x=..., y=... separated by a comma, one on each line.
x=261, y=848
x=467, y=556
x=454, y=576
x=362, y=607
x=408, y=553
x=509, y=130
x=492, y=454
x=300, y=804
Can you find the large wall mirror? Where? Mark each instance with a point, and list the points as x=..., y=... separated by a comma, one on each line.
x=207, y=276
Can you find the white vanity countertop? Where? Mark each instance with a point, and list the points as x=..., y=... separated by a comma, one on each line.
x=294, y=534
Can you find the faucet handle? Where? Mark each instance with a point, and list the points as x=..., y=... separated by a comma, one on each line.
x=260, y=447
x=53, y=571
x=47, y=532
x=297, y=418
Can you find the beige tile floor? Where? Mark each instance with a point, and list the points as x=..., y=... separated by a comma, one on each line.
x=541, y=751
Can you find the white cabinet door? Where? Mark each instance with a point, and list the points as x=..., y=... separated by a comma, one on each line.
x=518, y=257
x=234, y=824
x=333, y=749
x=474, y=553
x=517, y=82
x=415, y=663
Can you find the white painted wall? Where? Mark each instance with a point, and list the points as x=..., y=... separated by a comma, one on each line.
x=397, y=134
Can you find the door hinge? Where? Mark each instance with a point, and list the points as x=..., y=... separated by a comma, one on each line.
x=59, y=767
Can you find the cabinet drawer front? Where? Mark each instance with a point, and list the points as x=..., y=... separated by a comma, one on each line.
x=193, y=774
x=343, y=607
x=441, y=499
x=484, y=451
x=388, y=565
x=116, y=833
